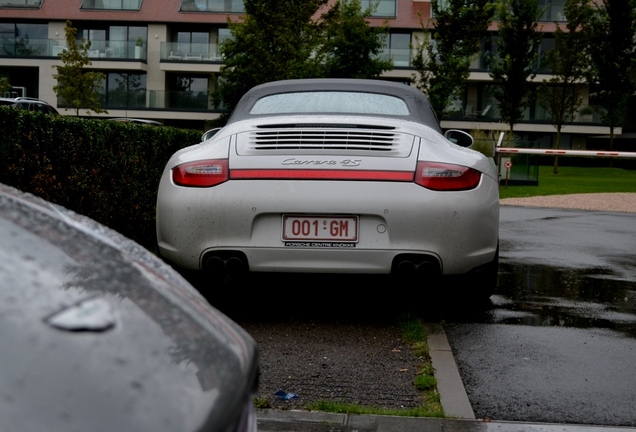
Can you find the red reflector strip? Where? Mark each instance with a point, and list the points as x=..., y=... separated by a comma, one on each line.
x=302, y=174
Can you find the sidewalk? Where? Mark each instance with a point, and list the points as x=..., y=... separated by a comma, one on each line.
x=300, y=421
x=453, y=397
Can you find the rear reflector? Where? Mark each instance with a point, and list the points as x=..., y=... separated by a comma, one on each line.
x=431, y=175
x=446, y=177
x=205, y=173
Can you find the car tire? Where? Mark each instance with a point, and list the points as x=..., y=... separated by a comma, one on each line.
x=484, y=281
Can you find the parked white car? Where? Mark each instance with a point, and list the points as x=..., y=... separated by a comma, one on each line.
x=332, y=176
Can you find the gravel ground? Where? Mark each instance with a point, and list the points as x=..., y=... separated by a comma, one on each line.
x=368, y=365
x=616, y=202
x=362, y=362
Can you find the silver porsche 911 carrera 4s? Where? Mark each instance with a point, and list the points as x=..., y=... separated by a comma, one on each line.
x=333, y=176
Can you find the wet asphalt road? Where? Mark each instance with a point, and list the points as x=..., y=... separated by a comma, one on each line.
x=558, y=342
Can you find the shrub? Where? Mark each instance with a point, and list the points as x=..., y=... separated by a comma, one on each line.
x=106, y=170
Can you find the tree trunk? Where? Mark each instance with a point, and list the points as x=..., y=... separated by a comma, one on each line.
x=557, y=144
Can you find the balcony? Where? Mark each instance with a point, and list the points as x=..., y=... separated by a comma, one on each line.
x=117, y=50
x=104, y=50
x=401, y=56
x=25, y=47
x=157, y=100
x=189, y=52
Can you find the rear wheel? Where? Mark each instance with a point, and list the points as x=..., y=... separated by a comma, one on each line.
x=483, y=283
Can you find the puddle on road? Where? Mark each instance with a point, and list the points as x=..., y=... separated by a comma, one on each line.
x=533, y=295
x=547, y=296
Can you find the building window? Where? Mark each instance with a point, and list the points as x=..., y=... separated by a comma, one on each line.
x=552, y=10
x=383, y=8
x=20, y=3
x=235, y=6
x=111, y=4
x=188, y=92
x=114, y=41
x=399, y=49
x=193, y=43
x=124, y=91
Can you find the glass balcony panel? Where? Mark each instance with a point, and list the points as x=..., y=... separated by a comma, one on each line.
x=181, y=100
x=24, y=47
x=401, y=57
x=99, y=49
x=189, y=52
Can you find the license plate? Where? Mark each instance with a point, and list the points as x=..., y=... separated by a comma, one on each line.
x=320, y=228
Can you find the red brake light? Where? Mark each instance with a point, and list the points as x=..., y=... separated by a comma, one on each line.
x=446, y=177
x=204, y=173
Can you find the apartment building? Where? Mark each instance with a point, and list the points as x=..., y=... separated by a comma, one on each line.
x=160, y=58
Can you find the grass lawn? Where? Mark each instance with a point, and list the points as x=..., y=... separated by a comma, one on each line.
x=573, y=180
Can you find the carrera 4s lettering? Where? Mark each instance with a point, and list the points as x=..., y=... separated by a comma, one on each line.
x=343, y=162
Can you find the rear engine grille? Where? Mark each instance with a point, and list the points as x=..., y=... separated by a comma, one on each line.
x=307, y=139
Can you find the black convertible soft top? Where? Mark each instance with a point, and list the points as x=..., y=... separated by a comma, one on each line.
x=420, y=110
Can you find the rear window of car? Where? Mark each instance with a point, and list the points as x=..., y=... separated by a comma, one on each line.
x=330, y=102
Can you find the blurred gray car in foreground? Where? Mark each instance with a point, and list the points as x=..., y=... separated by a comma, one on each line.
x=97, y=334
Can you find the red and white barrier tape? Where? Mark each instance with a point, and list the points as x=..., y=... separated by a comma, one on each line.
x=551, y=152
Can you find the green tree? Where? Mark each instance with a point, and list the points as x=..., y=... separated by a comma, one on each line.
x=273, y=40
x=5, y=85
x=512, y=66
x=612, y=33
x=442, y=60
x=352, y=47
x=76, y=86
x=561, y=94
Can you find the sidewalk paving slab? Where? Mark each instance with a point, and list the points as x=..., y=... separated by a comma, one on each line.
x=309, y=421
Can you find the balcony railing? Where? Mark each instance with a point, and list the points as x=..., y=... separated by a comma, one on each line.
x=401, y=57
x=25, y=47
x=181, y=100
x=156, y=100
x=107, y=50
x=122, y=50
x=189, y=52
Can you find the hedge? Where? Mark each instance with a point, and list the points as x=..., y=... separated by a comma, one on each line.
x=106, y=170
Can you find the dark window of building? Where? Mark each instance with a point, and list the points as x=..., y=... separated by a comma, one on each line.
x=124, y=90
x=111, y=4
x=383, y=8
x=20, y=3
x=233, y=6
x=188, y=91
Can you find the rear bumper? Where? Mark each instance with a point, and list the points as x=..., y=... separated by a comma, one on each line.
x=459, y=229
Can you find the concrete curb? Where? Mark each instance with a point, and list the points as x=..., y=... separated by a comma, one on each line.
x=449, y=383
